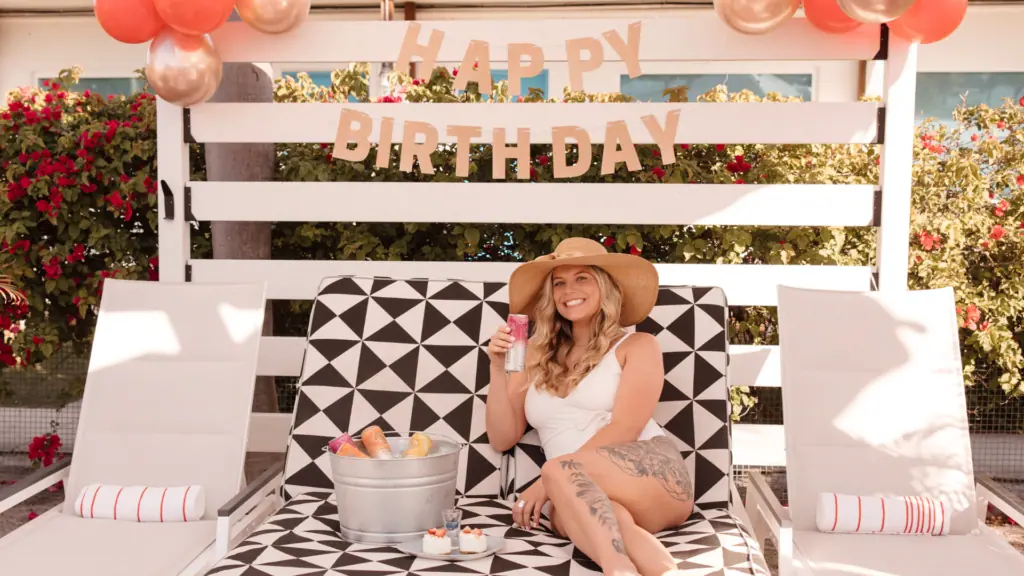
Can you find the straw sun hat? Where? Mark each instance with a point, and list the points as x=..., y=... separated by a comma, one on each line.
x=637, y=278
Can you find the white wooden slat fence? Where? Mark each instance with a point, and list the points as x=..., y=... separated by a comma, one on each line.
x=702, y=36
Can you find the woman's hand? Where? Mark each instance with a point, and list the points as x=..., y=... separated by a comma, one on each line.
x=526, y=510
x=500, y=343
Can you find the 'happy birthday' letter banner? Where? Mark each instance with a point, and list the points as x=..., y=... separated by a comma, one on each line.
x=419, y=139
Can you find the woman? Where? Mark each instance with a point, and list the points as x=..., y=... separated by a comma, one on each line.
x=612, y=478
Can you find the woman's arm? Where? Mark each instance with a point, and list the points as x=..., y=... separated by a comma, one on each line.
x=643, y=377
x=506, y=408
x=506, y=397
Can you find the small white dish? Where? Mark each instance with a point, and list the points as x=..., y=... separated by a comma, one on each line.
x=495, y=544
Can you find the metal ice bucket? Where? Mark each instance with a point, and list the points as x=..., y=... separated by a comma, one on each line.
x=393, y=501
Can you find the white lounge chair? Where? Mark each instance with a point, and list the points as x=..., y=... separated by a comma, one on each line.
x=874, y=405
x=167, y=403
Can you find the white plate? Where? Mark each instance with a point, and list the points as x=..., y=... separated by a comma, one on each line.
x=415, y=547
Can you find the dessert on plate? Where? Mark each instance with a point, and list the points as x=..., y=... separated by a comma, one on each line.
x=472, y=541
x=436, y=542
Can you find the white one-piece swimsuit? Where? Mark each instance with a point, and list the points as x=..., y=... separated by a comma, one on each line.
x=566, y=424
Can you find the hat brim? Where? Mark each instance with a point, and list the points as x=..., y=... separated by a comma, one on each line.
x=636, y=277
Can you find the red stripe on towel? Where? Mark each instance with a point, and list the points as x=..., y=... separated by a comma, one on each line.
x=138, y=508
x=858, y=515
x=931, y=516
x=906, y=511
x=184, y=499
x=162, y=496
x=924, y=513
x=835, y=522
x=920, y=514
x=93, y=503
x=116, y=498
x=942, y=508
x=81, y=505
x=882, y=529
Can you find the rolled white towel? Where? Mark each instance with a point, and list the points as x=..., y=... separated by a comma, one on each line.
x=141, y=503
x=843, y=513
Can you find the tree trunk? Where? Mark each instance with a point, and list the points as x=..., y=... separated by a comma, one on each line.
x=243, y=82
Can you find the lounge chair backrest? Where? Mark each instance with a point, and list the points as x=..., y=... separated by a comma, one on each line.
x=406, y=355
x=690, y=323
x=873, y=397
x=169, y=388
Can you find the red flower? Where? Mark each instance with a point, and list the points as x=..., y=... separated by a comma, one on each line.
x=543, y=159
x=929, y=241
x=997, y=232
x=684, y=146
x=37, y=340
x=983, y=326
x=719, y=147
x=658, y=172
x=32, y=515
x=634, y=250
x=984, y=245
x=53, y=270
x=43, y=206
x=608, y=242
x=76, y=300
x=656, y=153
x=972, y=317
x=77, y=254
x=1001, y=208
x=975, y=137
x=125, y=179
x=1000, y=124
x=1021, y=101
x=23, y=158
x=24, y=183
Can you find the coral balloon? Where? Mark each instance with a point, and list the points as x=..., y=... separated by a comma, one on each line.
x=182, y=69
x=755, y=16
x=929, y=21
x=273, y=16
x=875, y=11
x=827, y=16
x=128, y=21
x=194, y=17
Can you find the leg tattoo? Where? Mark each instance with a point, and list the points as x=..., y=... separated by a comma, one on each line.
x=656, y=458
x=597, y=501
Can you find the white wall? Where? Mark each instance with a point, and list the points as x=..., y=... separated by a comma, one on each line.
x=31, y=48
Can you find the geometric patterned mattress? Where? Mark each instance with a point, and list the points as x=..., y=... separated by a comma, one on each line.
x=301, y=539
x=411, y=355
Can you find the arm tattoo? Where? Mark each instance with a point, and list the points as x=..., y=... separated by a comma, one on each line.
x=596, y=500
x=656, y=458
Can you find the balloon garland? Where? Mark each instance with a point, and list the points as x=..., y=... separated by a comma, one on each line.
x=923, y=21
x=183, y=65
x=184, y=68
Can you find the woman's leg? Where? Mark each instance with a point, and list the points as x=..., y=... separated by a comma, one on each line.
x=648, y=479
x=588, y=518
x=647, y=554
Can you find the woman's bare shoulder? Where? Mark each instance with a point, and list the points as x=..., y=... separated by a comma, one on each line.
x=641, y=342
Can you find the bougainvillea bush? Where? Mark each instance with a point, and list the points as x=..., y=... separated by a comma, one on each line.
x=79, y=205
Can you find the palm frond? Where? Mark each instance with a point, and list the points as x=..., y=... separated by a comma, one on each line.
x=9, y=293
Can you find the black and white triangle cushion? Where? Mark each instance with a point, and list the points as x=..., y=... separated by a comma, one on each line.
x=410, y=355
x=301, y=539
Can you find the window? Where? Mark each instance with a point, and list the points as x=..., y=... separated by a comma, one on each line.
x=940, y=93
x=107, y=86
x=538, y=81
x=649, y=87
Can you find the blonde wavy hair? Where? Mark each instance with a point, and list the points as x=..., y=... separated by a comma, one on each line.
x=548, y=368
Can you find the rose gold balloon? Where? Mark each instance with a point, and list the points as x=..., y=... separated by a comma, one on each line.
x=273, y=16
x=755, y=16
x=875, y=11
x=184, y=70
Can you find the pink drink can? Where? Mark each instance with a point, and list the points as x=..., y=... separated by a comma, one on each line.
x=515, y=359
